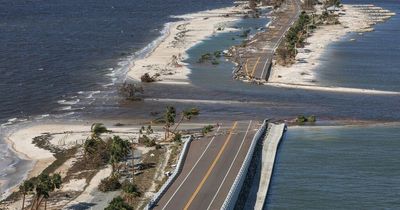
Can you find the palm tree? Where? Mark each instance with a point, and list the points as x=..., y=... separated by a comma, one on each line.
x=130, y=190
x=169, y=116
x=93, y=142
x=26, y=187
x=186, y=115
x=44, y=185
x=97, y=129
x=141, y=131
x=149, y=130
x=118, y=151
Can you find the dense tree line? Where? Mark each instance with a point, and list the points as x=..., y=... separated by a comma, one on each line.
x=41, y=187
x=294, y=38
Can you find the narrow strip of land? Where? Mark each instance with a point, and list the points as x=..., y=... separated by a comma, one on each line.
x=266, y=43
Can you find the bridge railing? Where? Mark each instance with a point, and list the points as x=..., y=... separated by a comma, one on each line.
x=233, y=194
x=172, y=178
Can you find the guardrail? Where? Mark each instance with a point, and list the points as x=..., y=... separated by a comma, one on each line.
x=174, y=175
x=233, y=194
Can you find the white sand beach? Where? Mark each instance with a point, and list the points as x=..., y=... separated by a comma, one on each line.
x=332, y=89
x=166, y=60
x=354, y=18
x=64, y=136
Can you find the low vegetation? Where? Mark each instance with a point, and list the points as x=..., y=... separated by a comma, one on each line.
x=207, y=129
x=97, y=152
x=110, y=184
x=294, y=38
x=296, y=35
x=210, y=57
x=145, y=140
x=132, y=92
x=329, y=3
x=118, y=203
x=301, y=119
x=41, y=186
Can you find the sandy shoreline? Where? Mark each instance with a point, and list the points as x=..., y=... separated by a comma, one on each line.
x=20, y=142
x=333, y=89
x=167, y=57
x=357, y=19
x=181, y=36
x=63, y=136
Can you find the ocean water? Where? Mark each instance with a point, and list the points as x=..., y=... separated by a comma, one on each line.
x=371, y=61
x=59, y=58
x=57, y=55
x=337, y=168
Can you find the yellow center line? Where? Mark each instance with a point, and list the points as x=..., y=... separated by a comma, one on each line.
x=254, y=68
x=211, y=167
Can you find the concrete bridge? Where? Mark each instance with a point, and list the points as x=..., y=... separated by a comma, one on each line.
x=215, y=167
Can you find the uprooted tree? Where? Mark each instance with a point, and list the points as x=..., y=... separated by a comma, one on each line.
x=133, y=92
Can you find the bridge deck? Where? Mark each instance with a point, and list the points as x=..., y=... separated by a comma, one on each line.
x=210, y=169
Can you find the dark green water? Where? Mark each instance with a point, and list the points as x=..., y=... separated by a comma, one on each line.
x=337, y=168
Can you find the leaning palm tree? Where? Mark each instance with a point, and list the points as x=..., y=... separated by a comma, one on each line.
x=97, y=129
x=169, y=117
x=44, y=185
x=186, y=115
x=26, y=187
x=56, y=182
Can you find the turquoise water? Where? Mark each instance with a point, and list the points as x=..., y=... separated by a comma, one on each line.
x=337, y=168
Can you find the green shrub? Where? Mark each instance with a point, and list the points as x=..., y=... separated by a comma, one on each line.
x=207, y=129
x=301, y=119
x=205, y=57
x=217, y=53
x=311, y=118
x=145, y=140
x=194, y=111
x=130, y=189
x=118, y=204
x=109, y=184
x=214, y=62
x=178, y=137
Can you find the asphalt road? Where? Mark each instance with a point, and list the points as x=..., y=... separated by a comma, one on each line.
x=210, y=168
x=259, y=65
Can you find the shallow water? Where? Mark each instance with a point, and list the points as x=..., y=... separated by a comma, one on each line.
x=371, y=61
x=337, y=168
